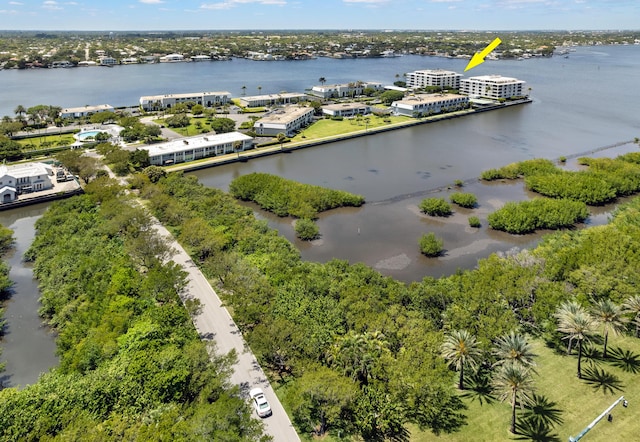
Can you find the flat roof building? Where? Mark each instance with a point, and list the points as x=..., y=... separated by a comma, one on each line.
x=84, y=111
x=287, y=120
x=273, y=99
x=421, y=105
x=346, y=109
x=345, y=90
x=434, y=77
x=194, y=148
x=166, y=101
x=492, y=86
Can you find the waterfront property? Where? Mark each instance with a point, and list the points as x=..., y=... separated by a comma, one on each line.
x=421, y=105
x=24, y=178
x=85, y=111
x=194, y=148
x=171, y=58
x=346, y=109
x=287, y=120
x=492, y=86
x=166, y=101
x=273, y=99
x=345, y=89
x=434, y=77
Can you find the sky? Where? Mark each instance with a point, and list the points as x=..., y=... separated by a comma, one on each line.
x=121, y=15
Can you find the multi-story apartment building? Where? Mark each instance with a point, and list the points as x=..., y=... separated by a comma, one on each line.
x=345, y=90
x=194, y=148
x=287, y=120
x=346, y=109
x=207, y=99
x=24, y=178
x=427, y=104
x=273, y=99
x=434, y=77
x=492, y=86
x=84, y=111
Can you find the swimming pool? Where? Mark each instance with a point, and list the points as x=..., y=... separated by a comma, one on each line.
x=82, y=136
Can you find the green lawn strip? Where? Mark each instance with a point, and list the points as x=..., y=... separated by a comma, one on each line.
x=36, y=143
x=191, y=129
x=580, y=402
x=329, y=128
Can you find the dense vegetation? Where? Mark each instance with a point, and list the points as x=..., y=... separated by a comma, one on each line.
x=132, y=366
x=430, y=245
x=344, y=340
x=435, y=207
x=6, y=239
x=306, y=229
x=464, y=199
x=285, y=197
x=539, y=213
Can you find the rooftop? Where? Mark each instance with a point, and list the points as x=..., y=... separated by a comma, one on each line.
x=26, y=170
x=494, y=79
x=285, y=114
x=428, y=98
x=198, y=141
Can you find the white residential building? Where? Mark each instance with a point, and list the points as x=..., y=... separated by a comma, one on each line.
x=287, y=120
x=207, y=99
x=171, y=58
x=24, y=178
x=346, y=109
x=194, y=148
x=84, y=111
x=273, y=99
x=421, y=105
x=492, y=86
x=345, y=90
x=434, y=77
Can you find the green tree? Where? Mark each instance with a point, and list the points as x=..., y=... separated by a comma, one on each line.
x=322, y=80
x=197, y=109
x=513, y=382
x=514, y=349
x=435, y=207
x=578, y=325
x=281, y=139
x=565, y=310
x=460, y=349
x=430, y=245
x=103, y=117
x=610, y=317
x=632, y=307
x=320, y=399
x=359, y=355
x=306, y=229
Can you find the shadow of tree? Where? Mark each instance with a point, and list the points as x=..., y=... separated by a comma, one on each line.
x=534, y=430
x=544, y=411
x=478, y=387
x=591, y=354
x=601, y=380
x=624, y=359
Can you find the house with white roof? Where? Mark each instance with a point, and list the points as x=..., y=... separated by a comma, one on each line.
x=344, y=90
x=420, y=105
x=24, y=178
x=166, y=101
x=346, y=110
x=85, y=111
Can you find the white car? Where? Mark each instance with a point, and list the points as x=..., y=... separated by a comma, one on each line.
x=260, y=403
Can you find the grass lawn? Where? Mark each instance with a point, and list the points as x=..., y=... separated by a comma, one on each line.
x=328, y=128
x=192, y=129
x=37, y=143
x=580, y=401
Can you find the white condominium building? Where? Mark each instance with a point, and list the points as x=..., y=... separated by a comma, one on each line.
x=84, y=111
x=287, y=120
x=273, y=99
x=421, y=105
x=345, y=90
x=166, y=101
x=492, y=86
x=193, y=148
x=346, y=109
x=434, y=77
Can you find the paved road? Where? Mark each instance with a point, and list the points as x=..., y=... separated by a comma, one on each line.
x=215, y=323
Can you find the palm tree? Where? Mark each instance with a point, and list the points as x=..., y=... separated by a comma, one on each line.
x=514, y=349
x=610, y=316
x=579, y=326
x=281, y=137
x=322, y=80
x=513, y=382
x=259, y=89
x=565, y=309
x=237, y=146
x=244, y=90
x=357, y=354
x=20, y=110
x=632, y=306
x=460, y=349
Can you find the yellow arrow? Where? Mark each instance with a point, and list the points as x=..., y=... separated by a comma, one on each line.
x=478, y=57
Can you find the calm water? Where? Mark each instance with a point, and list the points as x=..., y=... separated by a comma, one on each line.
x=28, y=346
x=581, y=103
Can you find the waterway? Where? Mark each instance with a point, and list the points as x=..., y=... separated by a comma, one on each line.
x=581, y=103
x=28, y=346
